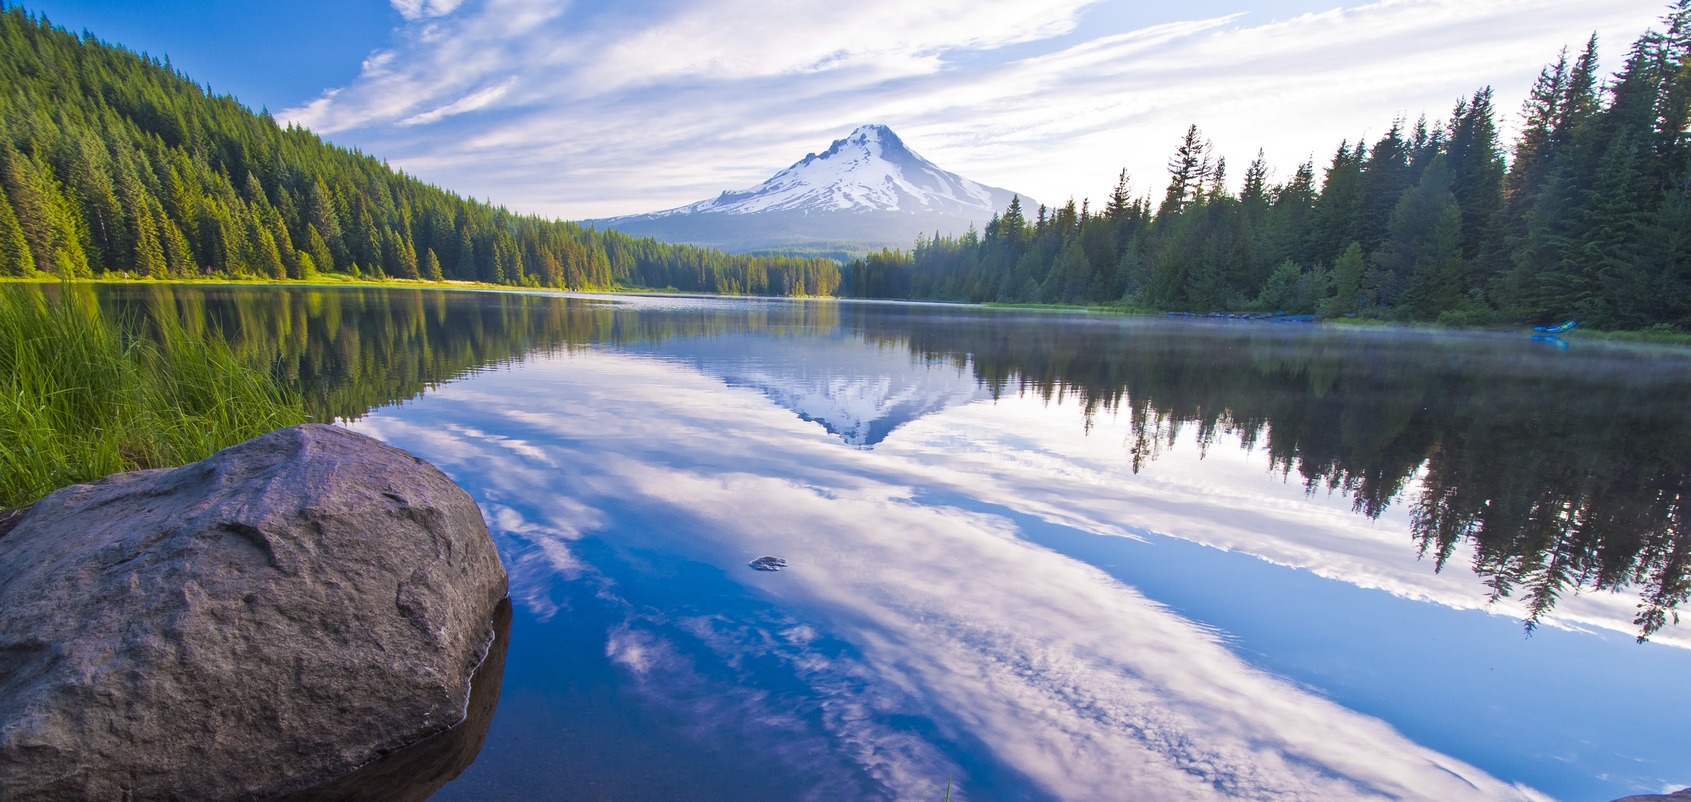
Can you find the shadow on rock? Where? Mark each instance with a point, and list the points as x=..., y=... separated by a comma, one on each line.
x=415, y=772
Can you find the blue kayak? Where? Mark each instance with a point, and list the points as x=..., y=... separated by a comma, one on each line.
x=1566, y=325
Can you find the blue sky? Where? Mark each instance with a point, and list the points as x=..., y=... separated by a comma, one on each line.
x=595, y=108
x=266, y=54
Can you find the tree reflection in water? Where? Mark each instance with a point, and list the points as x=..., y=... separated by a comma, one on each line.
x=1560, y=470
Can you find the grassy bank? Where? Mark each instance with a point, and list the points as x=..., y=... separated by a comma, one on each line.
x=82, y=397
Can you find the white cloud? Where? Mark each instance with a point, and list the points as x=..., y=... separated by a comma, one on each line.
x=423, y=9
x=583, y=110
x=475, y=100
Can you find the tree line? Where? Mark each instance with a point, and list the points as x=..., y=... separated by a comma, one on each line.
x=112, y=162
x=1586, y=219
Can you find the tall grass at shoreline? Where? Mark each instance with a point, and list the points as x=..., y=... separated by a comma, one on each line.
x=82, y=397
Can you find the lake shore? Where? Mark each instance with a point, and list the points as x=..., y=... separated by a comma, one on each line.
x=1657, y=336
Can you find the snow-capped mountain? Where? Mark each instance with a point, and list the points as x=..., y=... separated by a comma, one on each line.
x=867, y=190
x=869, y=171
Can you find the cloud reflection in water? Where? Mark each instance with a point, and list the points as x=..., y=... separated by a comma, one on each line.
x=935, y=614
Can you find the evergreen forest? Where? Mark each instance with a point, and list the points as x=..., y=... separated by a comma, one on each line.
x=1585, y=217
x=112, y=162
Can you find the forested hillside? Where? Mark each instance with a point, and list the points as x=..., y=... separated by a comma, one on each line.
x=1586, y=219
x=113, y=162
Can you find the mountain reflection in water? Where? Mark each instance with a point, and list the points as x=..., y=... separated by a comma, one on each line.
x=949, y=605
x=1560, y=471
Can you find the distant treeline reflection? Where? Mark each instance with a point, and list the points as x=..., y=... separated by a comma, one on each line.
x=351, y=350
x=1562, y=473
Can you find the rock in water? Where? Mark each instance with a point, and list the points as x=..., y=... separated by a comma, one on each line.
x=768, y=563
x=256, y=625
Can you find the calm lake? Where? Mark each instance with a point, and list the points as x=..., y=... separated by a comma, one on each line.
x=1041, y=556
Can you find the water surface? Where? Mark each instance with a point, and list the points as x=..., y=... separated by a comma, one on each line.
x=1045, y=556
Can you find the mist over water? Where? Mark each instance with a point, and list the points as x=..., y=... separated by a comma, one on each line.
x=1046, y=556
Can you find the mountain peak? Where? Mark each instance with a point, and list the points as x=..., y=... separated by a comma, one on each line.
x=870, y=169
x=867, y=181
x=875, y=131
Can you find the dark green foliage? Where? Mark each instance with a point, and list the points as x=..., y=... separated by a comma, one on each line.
x=1591, y=220
x=81, y=398
x=431, y=266
x=879, y=275
x=112, y=162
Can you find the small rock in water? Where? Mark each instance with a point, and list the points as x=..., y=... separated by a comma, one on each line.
x=768, y=563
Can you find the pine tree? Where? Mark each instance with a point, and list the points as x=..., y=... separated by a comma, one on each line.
x=1013, y=221
x=1280, y=292
x=1347, y=283
x=266, y=258
x=1333, y=222
x=1435, y=287
x=1253, y=196
x=176, y=251
x=325, y=219
x=1476, y=167
x=1411, y=248
x=466, y=265
x=307, y=266
x=321, y=257
x=285, y=248
x=431, y=266
x=149, y=259
x=1188, y=171
x=407, y=259
x=1385, y=176
x=1535, y=150
x=1579, y=99
x=18, y=180
x=15, y=258
x=1121, y=202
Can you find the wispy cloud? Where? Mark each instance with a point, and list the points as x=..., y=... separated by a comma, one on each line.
x=423, y=9
x=481, y=98
x=590, y=109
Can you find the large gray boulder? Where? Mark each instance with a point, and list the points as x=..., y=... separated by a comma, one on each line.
x=296, y=617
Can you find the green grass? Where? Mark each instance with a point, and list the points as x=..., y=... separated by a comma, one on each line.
x=82, y=397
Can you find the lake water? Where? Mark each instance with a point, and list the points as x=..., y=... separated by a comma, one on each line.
x=1039, y=556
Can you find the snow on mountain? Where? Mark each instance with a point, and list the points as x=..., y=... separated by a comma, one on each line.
x=871, y=169
x=848, y=387
x=867, y=189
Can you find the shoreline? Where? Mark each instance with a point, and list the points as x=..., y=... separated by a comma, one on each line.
x=330, y=280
